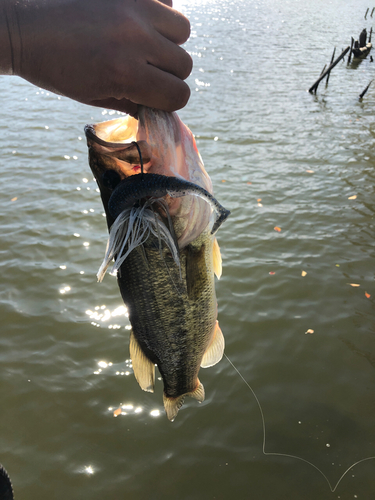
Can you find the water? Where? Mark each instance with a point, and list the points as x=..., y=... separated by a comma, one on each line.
x=278, y=157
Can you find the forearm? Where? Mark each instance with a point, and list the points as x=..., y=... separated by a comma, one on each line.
x=22, y=22
x=6, y=42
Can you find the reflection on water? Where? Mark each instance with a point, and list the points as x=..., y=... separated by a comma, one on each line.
x=279, y=158
x=89, y=469
x=103, y=315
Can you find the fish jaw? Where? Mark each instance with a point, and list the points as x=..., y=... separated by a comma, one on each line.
x=112, y=161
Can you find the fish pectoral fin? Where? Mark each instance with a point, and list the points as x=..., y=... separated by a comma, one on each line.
x=144, y=369
x=217, y=259
x=215, y=349
x=172, y=405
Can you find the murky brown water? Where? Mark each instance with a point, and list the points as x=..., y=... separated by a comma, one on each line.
x=278, y=157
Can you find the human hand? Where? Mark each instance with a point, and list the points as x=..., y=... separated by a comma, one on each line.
x=114, y=54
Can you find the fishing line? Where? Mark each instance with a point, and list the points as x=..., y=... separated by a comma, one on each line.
x=140, y=155
x=274, y=454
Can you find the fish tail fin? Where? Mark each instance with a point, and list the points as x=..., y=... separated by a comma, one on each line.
x=198, y=393
x=172, y=405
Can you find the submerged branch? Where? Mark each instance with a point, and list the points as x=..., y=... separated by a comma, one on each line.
x=330, y=67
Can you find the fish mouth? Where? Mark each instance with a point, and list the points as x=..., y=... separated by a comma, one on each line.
x=156, y=143
x=115, y=161
x=124, y=151
x=114, y=155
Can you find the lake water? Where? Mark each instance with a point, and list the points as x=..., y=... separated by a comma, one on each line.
x=297, y=330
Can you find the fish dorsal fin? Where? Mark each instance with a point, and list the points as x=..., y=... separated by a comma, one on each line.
x=144, y=369
x=217, y=259
x=215, y=350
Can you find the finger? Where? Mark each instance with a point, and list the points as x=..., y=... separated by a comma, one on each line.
x=168, y=22
x=157, y=89
x=169, y=57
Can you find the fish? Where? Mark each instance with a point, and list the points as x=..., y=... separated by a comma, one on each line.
x=162, y=219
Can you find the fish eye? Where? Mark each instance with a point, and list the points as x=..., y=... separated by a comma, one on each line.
x=111, y=179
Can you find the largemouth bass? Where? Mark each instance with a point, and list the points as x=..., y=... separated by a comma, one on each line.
x=162, y=219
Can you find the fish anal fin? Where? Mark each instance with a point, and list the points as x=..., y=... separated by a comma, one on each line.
x=217, y=259
x=215, y=349
x=144, y=369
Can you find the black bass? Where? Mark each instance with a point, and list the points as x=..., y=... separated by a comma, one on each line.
x=162, y=219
